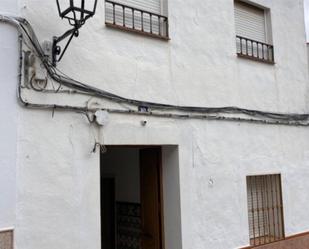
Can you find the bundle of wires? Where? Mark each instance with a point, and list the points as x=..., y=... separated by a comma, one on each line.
x=155, y=109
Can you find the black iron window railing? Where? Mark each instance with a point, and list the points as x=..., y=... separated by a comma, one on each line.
x=255, y=50
x=129, y=18
x=265, y=209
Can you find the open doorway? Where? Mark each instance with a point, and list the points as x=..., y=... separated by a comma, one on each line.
x=132, y=198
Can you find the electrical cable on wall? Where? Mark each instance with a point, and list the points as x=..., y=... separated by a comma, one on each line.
x=156, y=109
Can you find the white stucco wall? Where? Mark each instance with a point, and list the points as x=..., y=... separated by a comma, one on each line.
x=58, y=203
x=308, y=53
x=9, y=117
x=58, y=185
x=171, y=197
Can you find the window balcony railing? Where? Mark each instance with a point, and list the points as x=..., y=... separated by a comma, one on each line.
x=254, y=50
x=136, y=20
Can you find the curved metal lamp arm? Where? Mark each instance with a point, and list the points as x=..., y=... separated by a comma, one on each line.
x=56, y=49
x=77, y=14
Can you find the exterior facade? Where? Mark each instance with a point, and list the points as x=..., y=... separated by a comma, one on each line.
x=50, y=180
x=308, y=51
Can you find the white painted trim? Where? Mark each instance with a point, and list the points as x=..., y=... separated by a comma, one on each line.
x=7, y=229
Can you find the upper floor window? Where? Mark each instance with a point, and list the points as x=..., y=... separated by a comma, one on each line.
x=253, y=32
x=265, y=209
x=139, y=16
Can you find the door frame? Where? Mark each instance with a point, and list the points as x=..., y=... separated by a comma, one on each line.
x=160, y=164
x=160, y=192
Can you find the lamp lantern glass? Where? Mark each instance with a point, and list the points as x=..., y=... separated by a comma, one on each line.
x=76, y=11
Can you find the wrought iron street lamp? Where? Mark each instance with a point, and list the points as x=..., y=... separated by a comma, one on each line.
x=76, y=12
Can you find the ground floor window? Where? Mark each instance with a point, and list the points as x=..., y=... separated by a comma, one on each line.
x=265, y=209
x=6, y=239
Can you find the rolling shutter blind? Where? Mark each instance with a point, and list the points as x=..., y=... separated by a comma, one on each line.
x=250, y=21
x=148, y=5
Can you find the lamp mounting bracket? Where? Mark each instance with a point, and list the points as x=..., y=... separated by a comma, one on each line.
x=77, y=12
x=56, y=49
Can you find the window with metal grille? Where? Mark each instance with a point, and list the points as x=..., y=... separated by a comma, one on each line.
x=253, y=32
x=265, y=209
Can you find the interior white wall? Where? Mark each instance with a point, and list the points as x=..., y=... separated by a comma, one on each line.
x=123, y=164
